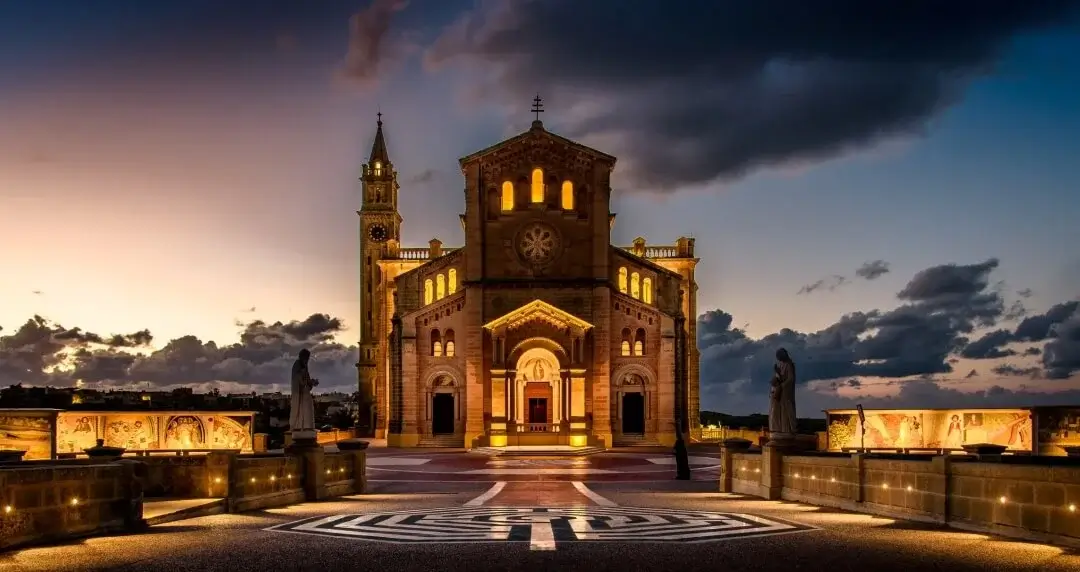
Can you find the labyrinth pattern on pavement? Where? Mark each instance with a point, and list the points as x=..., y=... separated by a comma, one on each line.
x=543, y=525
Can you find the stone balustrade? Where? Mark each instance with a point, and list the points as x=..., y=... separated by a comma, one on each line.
x=1034, y=498
x=44, y=501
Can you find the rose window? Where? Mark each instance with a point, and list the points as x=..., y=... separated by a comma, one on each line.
x=537, y=243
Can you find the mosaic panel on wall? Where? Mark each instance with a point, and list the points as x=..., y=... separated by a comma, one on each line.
x=931, y=428
x=31, y=432
x=1059, y=427
x=153, y=430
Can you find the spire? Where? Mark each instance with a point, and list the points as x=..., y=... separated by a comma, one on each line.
x=378, y=148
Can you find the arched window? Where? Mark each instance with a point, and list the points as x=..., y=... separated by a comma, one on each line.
x=429, y=291
x=635, y=285
x=448, y=343
x=436, y=343
x=507, y=196
x=622, y=279
x=646, y=290
x=639, y=342
x=440, y=287
x=625, y=346
x=567, y=195
x=537, y=194
x=451, y=281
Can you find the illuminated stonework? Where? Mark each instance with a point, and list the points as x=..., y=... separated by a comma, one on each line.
x=537, y=271
x=543, y=525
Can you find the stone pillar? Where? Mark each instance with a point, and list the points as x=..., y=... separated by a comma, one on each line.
x=728, y=448
x=314, y=468
x=938, y=486
x=132, y=482
x=358, y=449
x=772, y=475
x=218, y=472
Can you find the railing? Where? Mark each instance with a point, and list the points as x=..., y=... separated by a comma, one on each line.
x=538, y=427
x=417, y=253
x=655, y=252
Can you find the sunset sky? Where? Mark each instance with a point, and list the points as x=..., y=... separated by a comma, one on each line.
x=190, y=168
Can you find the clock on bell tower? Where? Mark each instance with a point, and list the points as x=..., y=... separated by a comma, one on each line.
x=380, y=224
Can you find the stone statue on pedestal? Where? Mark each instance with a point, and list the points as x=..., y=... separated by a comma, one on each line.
x=782, y=399
x=302, y=406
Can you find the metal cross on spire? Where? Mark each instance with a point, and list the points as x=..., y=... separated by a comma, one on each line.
x=538, y=106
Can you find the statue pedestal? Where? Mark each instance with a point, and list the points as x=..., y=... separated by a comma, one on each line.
x=302, y=440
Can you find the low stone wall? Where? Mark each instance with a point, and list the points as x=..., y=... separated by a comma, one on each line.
x=188, y=476
x=1035, y=498
x=41, y=501
x=331, y=437
x=263, y=481
x=44, y=503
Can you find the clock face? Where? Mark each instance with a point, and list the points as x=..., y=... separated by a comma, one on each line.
x=378, y=233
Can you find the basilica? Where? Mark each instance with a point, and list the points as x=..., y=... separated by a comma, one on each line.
x=538, y=331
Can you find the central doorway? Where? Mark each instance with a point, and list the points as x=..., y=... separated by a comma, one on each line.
x=538, y=410
x=633, y=413
x=442, y=414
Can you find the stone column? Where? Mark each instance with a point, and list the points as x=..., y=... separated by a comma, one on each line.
x=772, y=474
x=133, y=474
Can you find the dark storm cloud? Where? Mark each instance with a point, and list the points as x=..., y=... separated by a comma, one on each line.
x=940, y=308
x=1061, y=355
x=831, y=284
x=872, y=270
x=989, y=346
x=41, y=352
x=687, y=92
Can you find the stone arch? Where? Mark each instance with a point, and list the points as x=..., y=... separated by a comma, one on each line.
x=455, y=375
x=548, y=344
x=634, y=368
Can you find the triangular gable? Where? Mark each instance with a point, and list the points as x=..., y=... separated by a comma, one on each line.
x=537, y=309
x=541, y=132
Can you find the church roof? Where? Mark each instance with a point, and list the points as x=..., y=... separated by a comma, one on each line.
x=538, y=130
x=537, y=309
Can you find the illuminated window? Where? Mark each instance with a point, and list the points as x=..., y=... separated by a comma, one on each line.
x=639, y=348
x=436, y=343
x=639, y=342
x=537, y=186
x=429, y=291
x=508, y=196
x=448, y=343
x=646, y=290
x=378, y=168
x=622, y=280
x=440, y=287
x=625, y=346
x=451, y=281
x=568, y=195
x=635, y=285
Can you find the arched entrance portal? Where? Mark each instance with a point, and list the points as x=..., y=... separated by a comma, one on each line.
x=538, y=384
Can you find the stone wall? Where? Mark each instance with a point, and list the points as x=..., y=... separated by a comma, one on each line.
x=42, y=503
x=1035, y=498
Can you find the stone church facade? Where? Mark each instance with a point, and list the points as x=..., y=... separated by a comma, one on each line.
x=538, y=331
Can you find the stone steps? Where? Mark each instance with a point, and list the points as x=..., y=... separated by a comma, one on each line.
x=628, y=441
x=536, y=452
x=442, y=441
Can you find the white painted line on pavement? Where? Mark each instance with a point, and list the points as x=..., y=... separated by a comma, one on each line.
x=592, y=495
x=488, y=495
x=542, y=536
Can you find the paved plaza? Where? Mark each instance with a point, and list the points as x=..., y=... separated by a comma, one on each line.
x=432, y=510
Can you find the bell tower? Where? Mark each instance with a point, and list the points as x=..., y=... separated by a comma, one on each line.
x=380, y=231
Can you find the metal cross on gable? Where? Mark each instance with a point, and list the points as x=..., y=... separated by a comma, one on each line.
x=538, y=106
